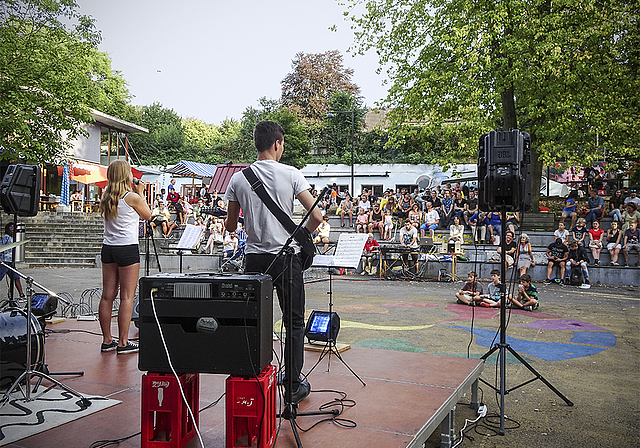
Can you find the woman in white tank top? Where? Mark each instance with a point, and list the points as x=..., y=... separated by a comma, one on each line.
x=121, y=209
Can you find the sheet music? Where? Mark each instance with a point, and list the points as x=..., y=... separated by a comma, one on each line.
x=348, y=252
x=190, y=237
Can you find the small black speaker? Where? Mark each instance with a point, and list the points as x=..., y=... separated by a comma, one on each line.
x=20, y=190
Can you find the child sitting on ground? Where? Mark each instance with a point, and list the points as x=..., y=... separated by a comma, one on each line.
x=492, y=297
x=527, y=295
x=471, y=291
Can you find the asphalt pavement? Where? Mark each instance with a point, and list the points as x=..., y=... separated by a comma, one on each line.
x=585, y=342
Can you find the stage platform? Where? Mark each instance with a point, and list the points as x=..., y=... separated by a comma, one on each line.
x=407, y=396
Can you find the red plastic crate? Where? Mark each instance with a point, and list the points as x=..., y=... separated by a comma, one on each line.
x=248, y=413
x=165, y=419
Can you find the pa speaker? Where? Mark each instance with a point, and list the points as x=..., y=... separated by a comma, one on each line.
x=504, y=170
x=20, y=190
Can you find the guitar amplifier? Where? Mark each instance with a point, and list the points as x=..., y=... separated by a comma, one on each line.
x=212, y=323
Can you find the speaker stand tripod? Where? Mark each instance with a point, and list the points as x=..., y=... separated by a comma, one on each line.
x=502, y=346
x=29, y=371
x=330, y=345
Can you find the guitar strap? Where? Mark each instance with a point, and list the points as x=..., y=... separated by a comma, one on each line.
x=281, y=216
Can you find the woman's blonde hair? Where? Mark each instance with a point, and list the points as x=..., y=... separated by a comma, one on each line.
x=118, y=183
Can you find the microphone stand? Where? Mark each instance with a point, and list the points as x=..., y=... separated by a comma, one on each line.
x=290, y=411
x=147, y=255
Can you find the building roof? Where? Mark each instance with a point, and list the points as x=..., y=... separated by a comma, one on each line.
x=224, y=171
x=117, y=123
x=187, y=168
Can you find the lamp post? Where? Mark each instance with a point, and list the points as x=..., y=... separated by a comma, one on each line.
x=331, y=114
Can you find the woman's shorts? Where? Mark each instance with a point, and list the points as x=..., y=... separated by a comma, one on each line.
x=568, y=212
x=612, y=246
x=121, y=255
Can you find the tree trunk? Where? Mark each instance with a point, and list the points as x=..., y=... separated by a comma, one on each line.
x=508, y=110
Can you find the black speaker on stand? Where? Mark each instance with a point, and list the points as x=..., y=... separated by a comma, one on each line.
x=20, y=190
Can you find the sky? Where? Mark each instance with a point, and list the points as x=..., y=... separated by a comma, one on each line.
x=212, y=59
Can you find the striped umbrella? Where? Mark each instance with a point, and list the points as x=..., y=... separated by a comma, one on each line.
x=64, y=191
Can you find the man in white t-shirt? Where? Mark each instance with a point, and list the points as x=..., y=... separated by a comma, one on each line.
x=266, y=236
x=409, y=240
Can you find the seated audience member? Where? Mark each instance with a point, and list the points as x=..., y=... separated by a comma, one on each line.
x=364, y=204
x=404, y=207
x=447, y=209
x=527, y=295
x=557, y=254
x=472, y=207
x=362, y=221
x=431, y=220
x=630, y=214
x=631, y=241
x=571, y=208
x=415, y=215
x=513, y=221
x=409, y=239
x=561, y=233
x=322, y=233
x=376, y=220
x=579, y=232
x=577, y=257
x=160, y=216
x=471, y=292
x=633, y=197
x=479, y=223
x=616, y=205
x=494, y=227
x=524, y=255
x=216, y=234
x=493, y=297
x=596, y=207
x=596, y=236
x=511, y=247
x=456, y=231
x=370, y=255
x=614, y=242
x=436, y=202
x=229, y=245
x=459, y=204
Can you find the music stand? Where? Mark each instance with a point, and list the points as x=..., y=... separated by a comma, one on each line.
x=189, y=238
x=347, y=255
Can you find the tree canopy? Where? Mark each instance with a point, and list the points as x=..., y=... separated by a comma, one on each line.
x=565, y=71
x=308, y=88
x=46, y=50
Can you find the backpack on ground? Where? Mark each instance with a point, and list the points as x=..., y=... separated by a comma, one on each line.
x=575, y=276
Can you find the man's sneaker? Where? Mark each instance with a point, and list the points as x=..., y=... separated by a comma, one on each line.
x=547, y=281
x=111, y=346
x=303, y=391
x=625, y=264
x=613, y=263
x=129, y=348
x=527, y=308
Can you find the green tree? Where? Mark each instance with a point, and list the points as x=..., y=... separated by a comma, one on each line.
x=297, y=142
x=164, y=143
x=563, y=71
x=44, y=82
x=335, y=133
x=308, y=88
x=107, y=90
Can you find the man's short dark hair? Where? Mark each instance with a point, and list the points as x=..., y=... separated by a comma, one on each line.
x=266, y=133
x=495, y=272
